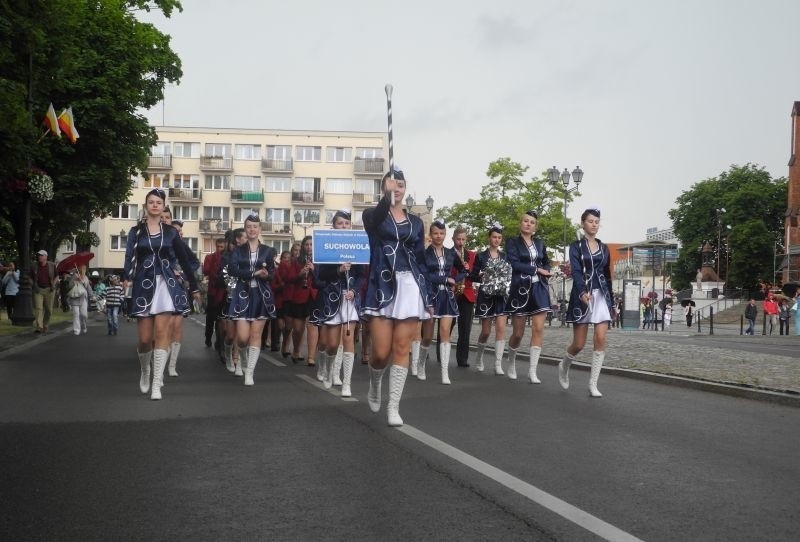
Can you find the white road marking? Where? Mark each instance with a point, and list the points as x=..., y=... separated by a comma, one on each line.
x=333, y=391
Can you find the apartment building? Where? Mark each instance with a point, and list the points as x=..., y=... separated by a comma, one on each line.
x=214, y=178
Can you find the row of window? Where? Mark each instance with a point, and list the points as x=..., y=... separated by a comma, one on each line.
x=252, y=183
x=119, y=242
x=130, y=211
x=302, y=153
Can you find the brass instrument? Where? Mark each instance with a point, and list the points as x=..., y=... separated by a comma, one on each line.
x=461, y=284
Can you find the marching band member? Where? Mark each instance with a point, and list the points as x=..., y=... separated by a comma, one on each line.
x=230, y=352
x=465, y=296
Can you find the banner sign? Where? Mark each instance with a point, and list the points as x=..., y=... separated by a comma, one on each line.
x=340, y=246
x=631, y=294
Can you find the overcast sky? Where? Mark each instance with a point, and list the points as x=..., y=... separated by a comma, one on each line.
x=647, y=97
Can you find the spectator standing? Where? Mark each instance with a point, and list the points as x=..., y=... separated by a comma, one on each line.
x=43, y=279
x=750, y=314
x=770, y=311
x=783, y=316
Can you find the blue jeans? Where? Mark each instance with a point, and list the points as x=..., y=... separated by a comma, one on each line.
x=112, y=314
x=750, y=324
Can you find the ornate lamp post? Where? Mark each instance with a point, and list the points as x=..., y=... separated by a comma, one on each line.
x=555, y=178
x=298, y=220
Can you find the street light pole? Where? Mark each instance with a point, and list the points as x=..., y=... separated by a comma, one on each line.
x=554, y=177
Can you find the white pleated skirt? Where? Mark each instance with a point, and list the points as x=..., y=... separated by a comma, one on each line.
x=407, y=302
x=347, y=313
x=162, y=300
x=598, y=310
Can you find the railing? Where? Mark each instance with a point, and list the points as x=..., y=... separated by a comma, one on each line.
x=186, y=194
x=307, y=197
x=246, y=196
x=160, y=162
x=365, y=198
x=731, y=298
x=272, y=164
x=213, y=225
x=215, y=163
x=275, y=228
x=369, y=166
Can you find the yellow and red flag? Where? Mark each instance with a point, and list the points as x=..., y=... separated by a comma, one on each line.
x=51, y=122
x=67, y=124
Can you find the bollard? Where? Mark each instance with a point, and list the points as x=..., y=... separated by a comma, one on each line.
x=764, y=325
x=711, y=320
x=697, y=315
x=741, y=325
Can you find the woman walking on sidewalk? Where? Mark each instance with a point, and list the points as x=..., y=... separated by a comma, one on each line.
x=529, y=296
x=397, y=291
x=494, y=273
x=78, y=291
x=153, y=252
x=252, y=302
x=591, y=300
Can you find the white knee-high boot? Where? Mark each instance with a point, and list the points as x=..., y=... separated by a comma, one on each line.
x=414, y=357
x=423, y=361
x=563, y=370
x=374, y=393
x=253, y=352
x=159, y=361
x=242, y=360
x=321, y=369
x=173, y=359
x=228, y=353
x=535, y=352
x=479, y=356
x=512, y=363
x=347, y=366
x=444, y=351
x=397, y=380
x=337, y=366
x=597, y=364
x=327, y=362
x=499, y=347
x=144, y=376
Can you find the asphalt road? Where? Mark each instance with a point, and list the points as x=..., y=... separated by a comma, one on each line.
x=85, y=456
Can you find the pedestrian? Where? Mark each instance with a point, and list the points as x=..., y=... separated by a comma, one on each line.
x=79, y=289
x=750, y=314
x=252, y=302
x=438, y=267
x=309, y=291
x=216, y=294
x=43, y=281
x=794, y=309
x=770, y=308
x=336, y=312
x=783, y=316
x=397, y=290
x=10, y=284
x=529, y=297
x=153, y=252
x=465, y=296
x=493, y=272
x=301, y=280
x=688, y=313
x=666, y=314
x=114, y=297
x=99, y=291
x=591, y=299
x=282, y=289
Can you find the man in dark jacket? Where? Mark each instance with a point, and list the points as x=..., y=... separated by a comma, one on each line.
x=750, y=314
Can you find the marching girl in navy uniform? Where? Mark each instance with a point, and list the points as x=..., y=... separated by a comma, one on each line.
x=439, y=263
x=230, y=352
x=337, y=308
x=591, y=300
x=397, y=290
x=529, y=296
x=153, y=252
x=252, y=300
x=490, y=307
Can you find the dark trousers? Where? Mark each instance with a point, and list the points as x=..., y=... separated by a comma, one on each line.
x=212, y=314
x=465, y=311
x=275, y=337
x=784, y=325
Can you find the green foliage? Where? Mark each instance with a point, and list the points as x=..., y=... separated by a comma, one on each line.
x=96, y=57
x=504, y=199
x=754, y=206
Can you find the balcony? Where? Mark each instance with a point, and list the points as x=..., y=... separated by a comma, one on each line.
x=275, y=228
x=308, y=197
x=160, y=162
x=216, y=163
x=365, y=199
x=214, y=225
x=185, y=194
x=271, y=165
x=247, y=196
x=368, y=166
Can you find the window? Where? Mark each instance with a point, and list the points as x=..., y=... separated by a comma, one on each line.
x=119, y=242
x=356, y=216
x=69, y=245
x=329, y=216
x=309, y=216
x=191, y=242
x=185, y=212
x=126, y=210
x=277, y=216
x=308, y=154
x=367, y=186
x=279, y=184
x=186, y=150
x=369, y=152
x=162, y=148
x=239, y=214
x=247, y=183
x=340, y=154
x=156, y=180
x=248, y=152
x=279, y=245
x=221, y=150
x=279, y=152
x=218, y=182
x=221, y=213
x=186, y=181
x=339, y=186
x=305, y=184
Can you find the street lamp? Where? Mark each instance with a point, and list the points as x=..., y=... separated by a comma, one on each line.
x=410, y=202
x=555, y=178
x=720, y=212
x=298, y=220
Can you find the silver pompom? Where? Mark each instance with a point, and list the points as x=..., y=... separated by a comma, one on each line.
x=230, y=280
x=496, y=279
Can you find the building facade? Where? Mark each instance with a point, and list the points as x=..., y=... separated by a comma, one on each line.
x=790, y=265
x=214, y=178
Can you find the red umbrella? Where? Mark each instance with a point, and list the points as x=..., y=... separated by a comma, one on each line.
x=73, y=262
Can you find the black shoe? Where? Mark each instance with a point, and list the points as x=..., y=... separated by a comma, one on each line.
x=463, y=364
x=274, y=348
x=208, y=342
x=286, y=354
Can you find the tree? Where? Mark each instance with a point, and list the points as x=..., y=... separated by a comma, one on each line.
x=96, y=57
x=504, y=199
x=740, y=213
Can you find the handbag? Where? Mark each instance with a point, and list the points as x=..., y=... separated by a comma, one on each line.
x=76, y=291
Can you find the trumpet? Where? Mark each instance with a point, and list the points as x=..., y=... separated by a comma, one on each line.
x=460, y=285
